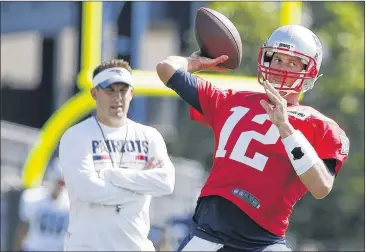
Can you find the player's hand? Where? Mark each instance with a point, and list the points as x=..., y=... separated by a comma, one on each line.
x=154, y=163
x=101, y=173
x=198, y=62
x=277, y=109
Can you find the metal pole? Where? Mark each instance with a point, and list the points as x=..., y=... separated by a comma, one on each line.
x=290, y=13
x=140, y=21
x=111, y=11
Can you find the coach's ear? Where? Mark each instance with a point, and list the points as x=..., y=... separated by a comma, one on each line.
x=93, y=93
x=132, y=91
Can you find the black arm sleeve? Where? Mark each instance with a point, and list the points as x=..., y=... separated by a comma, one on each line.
x=186, y=86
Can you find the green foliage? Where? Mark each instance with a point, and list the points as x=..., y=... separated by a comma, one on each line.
x=341, y=34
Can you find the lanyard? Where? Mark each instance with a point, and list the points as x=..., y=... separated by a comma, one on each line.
x=109, y=149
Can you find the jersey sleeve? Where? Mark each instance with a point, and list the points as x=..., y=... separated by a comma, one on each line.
x=203, y=97
x=210, y=98
x=185, y=85
x=332, y=143
x=197, y=116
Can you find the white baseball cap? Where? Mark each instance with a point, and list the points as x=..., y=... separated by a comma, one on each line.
x=112, y=75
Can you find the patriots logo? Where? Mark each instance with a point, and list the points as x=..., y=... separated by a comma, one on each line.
x=117, y=71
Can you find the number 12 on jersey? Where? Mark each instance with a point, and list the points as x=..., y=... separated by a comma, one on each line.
x=238, y=153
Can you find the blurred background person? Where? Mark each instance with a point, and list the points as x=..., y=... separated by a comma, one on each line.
x=44, y=215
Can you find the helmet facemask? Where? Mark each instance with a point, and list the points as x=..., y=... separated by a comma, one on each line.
x=303, y=80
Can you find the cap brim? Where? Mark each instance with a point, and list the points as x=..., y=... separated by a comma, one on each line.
x=113, y=80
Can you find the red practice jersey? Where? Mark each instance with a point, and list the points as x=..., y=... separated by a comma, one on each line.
x=250, y=165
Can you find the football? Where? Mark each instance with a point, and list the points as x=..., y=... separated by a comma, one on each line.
x=216, y=35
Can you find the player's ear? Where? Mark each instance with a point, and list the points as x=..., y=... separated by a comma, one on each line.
x=131, y=93
x=93, y=93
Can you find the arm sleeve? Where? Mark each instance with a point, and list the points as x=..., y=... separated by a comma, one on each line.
x=185, y=85
x=155, y=181
x=203, y=97
x=332, y=143
x=82, y=181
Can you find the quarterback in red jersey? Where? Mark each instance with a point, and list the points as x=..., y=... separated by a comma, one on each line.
x=269, y=150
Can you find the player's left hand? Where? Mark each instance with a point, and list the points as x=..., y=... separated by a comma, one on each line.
x=277, y=110
x=204, y=63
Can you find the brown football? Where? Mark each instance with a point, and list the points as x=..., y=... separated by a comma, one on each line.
x=216, y=35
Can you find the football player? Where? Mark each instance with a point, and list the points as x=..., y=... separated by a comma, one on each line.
x=269, y=150
x=44, y=216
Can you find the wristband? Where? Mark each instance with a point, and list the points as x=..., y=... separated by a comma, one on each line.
x=302, y=155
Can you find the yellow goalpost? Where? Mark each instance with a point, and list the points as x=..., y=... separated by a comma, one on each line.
x=146, y=84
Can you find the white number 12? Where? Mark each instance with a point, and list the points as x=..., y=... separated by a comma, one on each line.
x=238, y=153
